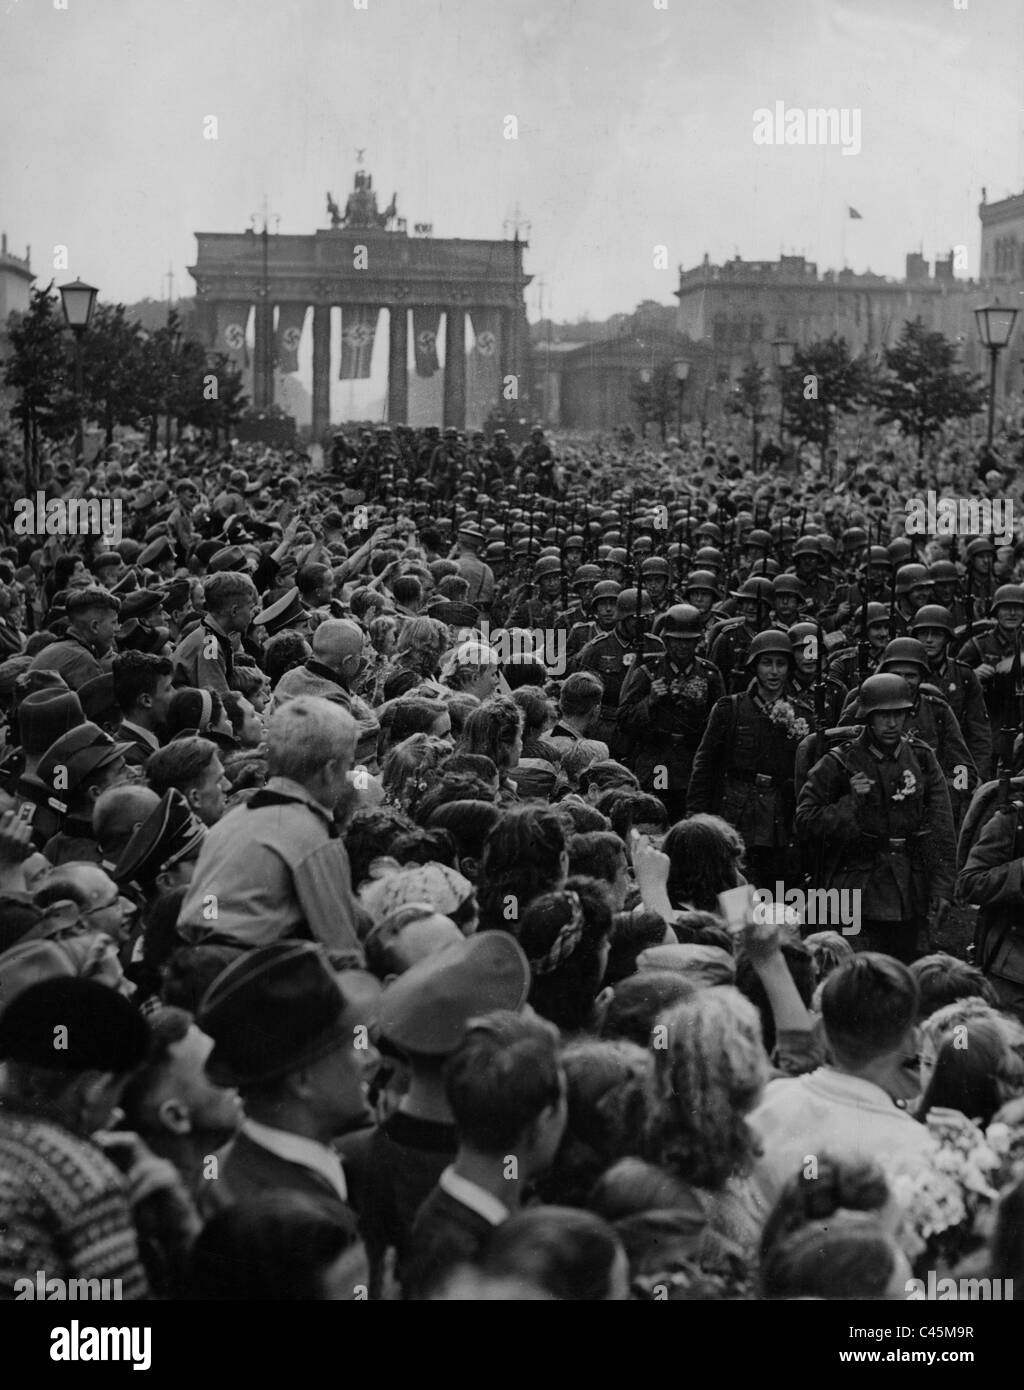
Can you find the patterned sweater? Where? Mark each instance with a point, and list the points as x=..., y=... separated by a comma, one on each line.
x=63, y=1209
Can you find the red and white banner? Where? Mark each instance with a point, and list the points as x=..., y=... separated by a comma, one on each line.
x=232, y=319
x=358, y=329
x=425, y=326
x=290, y=318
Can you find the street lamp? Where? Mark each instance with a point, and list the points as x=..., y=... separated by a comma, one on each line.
x=783, y=350
x=78, y=300
x=682, y=370
x=995, y=328
x=176, y=337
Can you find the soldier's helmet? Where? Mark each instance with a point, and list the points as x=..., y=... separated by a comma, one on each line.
x=702, y=579
x=625, y=604
x=883, y=692
x=586, y=574
x=932, y=615
x=878, y=555
x=981, y=545
x=787, y=584
x=807, y=545
x=900, y=550
x=618, y=556
x=943, y=572
x=606, y=588
x=708, y=557
x=709, y=531
x=681, y=620
x=757, y=540
x=501, y=434
x=547, y=564
x=759, y=589
x=773, y=641
x=853, y=538
x=877, y=613
x=655, y=566
x=902, y=650
x=802, y=633
x=642, y=543
x=574, y=541
x=912, y=577
x=1007, y=593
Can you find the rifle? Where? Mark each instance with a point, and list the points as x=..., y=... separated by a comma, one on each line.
x=864, y=646
x=640, y=634
x=970, y=600
x=820, y=724
x=892, y=604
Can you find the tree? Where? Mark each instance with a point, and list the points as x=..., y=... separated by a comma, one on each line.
x=920, y=386
x=655, y=399
x=823, y=382
x=748, y=400
x=40, y=372
x=111, y=367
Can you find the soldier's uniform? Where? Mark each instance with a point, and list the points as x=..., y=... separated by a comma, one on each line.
x=729, y=653
x=743, y=771
x=802, y=689
x=894, y=846
x=992, y=876
x=610, y=656
x=666, y=732
x=958, y=684
x=994, y=648
x=845, y=665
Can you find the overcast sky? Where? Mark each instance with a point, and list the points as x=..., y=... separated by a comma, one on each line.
x=635, y=129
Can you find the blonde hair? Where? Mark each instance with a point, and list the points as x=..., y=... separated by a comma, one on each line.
x=705, y=1081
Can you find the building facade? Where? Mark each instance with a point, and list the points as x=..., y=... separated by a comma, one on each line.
x=15, y=287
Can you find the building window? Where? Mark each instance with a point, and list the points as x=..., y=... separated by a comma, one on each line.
x=721, y=328
x=782, y=329
x=738, y=334
x=757, y=329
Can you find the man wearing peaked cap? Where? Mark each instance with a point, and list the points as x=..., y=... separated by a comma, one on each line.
x=147, y=605
x=71, y=775
x=284, y=1032
x=159, y=556
x=288, y=611
x=162, y=853
x=476, y=572
x=229, y=557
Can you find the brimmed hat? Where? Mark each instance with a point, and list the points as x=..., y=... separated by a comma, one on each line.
x=282, y=613
x=427, y=1008
x=170, y=834
x=44, y=716
x=100, y=1029
x=81, y=751
x=272, y=1011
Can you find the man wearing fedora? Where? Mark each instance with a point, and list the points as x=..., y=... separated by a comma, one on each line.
x=287, y=1035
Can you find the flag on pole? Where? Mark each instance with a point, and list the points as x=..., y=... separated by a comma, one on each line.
x=425, y=323
x=855, y=214
x=232, y=320
x=289, y=335
x=358, y=327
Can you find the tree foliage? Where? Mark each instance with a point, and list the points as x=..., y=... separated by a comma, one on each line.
x=920, y=386
x=825, y=381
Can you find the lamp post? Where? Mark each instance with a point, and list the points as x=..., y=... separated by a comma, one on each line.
x=175, y=339
x=681, y=367
x=783, y=350
x=995, y=329
x=78, y=300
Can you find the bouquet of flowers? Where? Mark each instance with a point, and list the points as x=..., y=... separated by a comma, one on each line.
x=909, y=786
x=940, y=1202
x=785, y=716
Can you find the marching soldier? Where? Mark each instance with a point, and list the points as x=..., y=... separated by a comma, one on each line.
x=743, y=769
x=851, y=665
x=913, y=591
x=993, y=878
x=990, y=654
x=933, y=627
x=808, y=564
x=664, y=707
x=501, y=457
x=611, y=655
x=881, y=805
x=602, y=608
x=733, y=637
x=655, y=574
x=541, y=610
x=873, y=585
x=787, y=601
x=582, y=586
x=805, y=637
x=945, y=579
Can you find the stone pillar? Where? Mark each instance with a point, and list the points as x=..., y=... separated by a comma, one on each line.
x=398, y=364
x=455, y=368
x=263, y=354
x=321, y=370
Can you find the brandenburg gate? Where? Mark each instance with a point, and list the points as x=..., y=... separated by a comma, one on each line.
x=366, y=261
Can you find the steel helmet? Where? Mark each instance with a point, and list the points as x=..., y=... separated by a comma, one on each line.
x=605, y=588
x=878, y=555
x=900, y=550
x=801, y=632
x=757, y=539
x=618, y=556
x=586, y=574
x=883, y=692
x=932, y=615
x=807, y=545
x=1007, y=593
x=877, y=613
x=642, y=543
x=702, y=579
x=981, y=545
x=768, y=642
x=756, y=588
x=787, y=584
x=904, y=649
x=681, y=620
x=710, y=531
x=707, y=557
x=655, y=565
x=943, y=572
x=912, y=577
x=625, y=603
x=679, y=550
x=547, y=564
x=854, y=537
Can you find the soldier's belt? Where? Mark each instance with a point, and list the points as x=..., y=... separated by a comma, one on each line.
x=888, y=845
x=756, y=779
